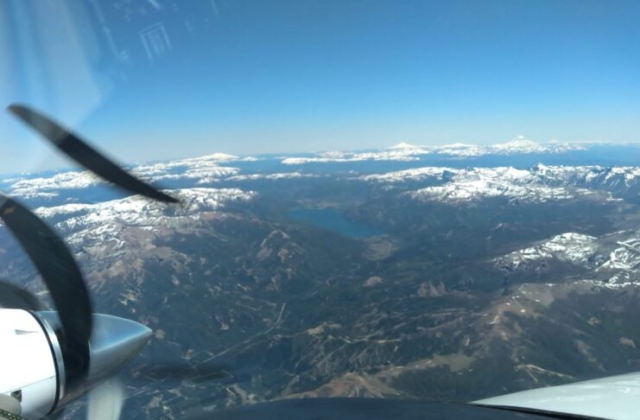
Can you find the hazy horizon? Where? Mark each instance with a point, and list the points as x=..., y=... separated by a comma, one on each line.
x=170, y=79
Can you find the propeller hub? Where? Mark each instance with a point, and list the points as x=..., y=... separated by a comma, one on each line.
x=114, y=342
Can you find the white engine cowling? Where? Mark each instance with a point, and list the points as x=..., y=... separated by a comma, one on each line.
x=32, y=359
x=31, y=368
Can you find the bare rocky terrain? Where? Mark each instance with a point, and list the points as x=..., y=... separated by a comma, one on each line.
x=428, y=282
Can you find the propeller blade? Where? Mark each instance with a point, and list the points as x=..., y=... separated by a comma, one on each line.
x=106, y=401
x=15, y=297
x=63, y=278
x=85, y=155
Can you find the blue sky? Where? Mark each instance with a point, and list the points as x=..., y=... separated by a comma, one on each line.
x=304, y=75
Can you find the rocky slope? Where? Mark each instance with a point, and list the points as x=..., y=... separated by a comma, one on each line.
x=485, y=280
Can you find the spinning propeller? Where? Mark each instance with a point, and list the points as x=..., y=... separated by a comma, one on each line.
x=78, y=150
x=86, y=349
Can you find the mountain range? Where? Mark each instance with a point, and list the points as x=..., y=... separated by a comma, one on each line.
x=471, y=279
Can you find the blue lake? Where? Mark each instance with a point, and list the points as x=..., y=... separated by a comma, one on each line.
x=332, y=219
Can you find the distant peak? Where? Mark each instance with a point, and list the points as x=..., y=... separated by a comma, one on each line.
x=219, y=156
x=404, y=145
x=521, y=140
x=519, y=143
x=214, y=157
x=459, y=145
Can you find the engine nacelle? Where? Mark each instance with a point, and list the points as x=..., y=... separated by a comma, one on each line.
x=31, y=368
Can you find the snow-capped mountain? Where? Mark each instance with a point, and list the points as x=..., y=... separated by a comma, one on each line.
x=522, y=145
x=217, y=168
x=467, y=191
x=404, y=154
x=538, y=183
x=417, y=174
x=49, y=187
x=470, y=285
x=570, y=247
x=616, y=178
x=580, y=176
x=137, y=210
x=204, y=169
x=463, y=185
x=610, y=261
x=409, y=152
x=107, y=225
x=272, y=177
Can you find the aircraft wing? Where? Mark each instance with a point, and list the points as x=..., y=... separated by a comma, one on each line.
x=613, y=398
